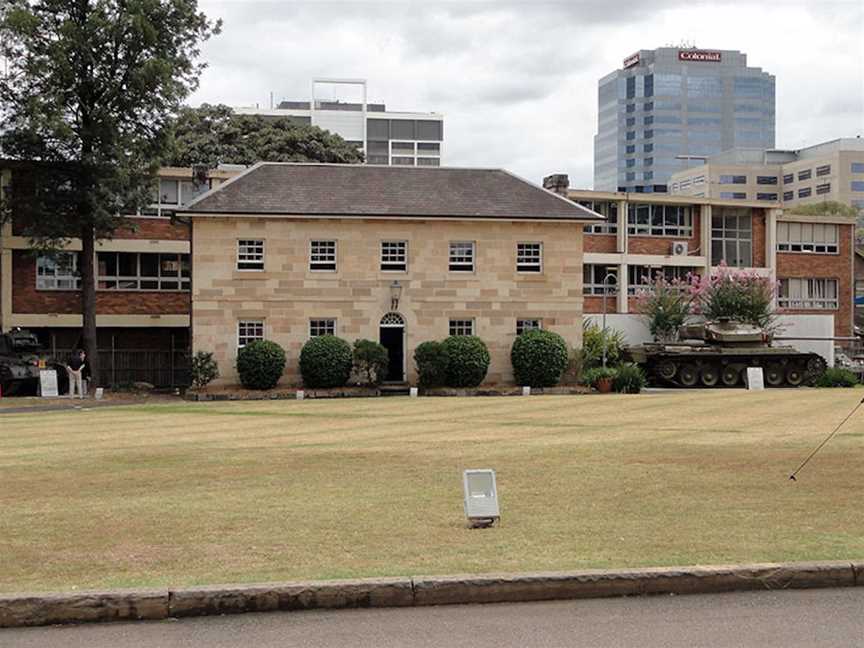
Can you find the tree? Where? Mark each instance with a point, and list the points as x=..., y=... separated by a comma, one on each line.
x=90, y=94
x=211, y=135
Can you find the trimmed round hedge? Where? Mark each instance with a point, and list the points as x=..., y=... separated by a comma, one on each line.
x=260, y=364
x=326, y=361
x=431, y=361
x=467, y=360
x=539, y=358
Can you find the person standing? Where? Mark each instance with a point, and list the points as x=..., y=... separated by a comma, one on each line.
x=76, y=368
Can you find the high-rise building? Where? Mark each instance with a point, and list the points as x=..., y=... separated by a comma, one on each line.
x=386, y=137
x=666, y=104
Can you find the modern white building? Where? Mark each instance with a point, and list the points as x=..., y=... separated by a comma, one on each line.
x=386, y=137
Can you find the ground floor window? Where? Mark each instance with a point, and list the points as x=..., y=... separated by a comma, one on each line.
x=249, y=331
x=461, y=327
x=58, y=272
x=523, y=325
x=808, y=294
x=319, y=327
x=592, y=279
x=640, y=277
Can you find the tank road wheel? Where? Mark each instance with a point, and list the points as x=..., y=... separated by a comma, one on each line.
x=730, y=375
x=688, y=375
x=710, y=375
x=774, y=375
x=816, y=366
x=667, y=369
x=794, y=375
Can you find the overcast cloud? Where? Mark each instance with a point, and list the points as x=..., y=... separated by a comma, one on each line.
x=517, y=81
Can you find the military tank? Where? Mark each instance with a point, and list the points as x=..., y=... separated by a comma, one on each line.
x=717, y=354
x=21, y=358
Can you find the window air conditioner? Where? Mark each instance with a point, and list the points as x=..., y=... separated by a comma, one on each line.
x=679, y=248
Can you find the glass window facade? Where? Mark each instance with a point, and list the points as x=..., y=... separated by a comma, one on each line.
x=732, y=237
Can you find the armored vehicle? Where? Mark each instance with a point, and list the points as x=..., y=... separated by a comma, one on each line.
x=20, y=359
x=718, y=353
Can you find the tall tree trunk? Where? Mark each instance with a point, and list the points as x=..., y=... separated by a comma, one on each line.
x=88, y=300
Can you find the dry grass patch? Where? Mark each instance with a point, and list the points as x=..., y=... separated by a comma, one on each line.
x=251, y=491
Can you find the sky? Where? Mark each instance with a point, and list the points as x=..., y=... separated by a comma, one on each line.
x=517, y=81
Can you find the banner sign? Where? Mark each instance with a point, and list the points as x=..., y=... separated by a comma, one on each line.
x=699, y=55
x=631, y=60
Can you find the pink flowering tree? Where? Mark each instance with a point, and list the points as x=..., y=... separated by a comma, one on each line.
x=740, y=295
x=664, y=305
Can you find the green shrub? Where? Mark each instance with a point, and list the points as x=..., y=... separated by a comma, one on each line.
x=467, y=360
x=260, y=364
x=593, y=375
x=326, y=361
x=629, y=379
x=370, y=361
x=204, y=369
x=837, y=377
x=539, y=358
x=431, y=361
x=664, y=306
x=593, y=340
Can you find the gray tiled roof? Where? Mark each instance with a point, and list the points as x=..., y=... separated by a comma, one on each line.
x=367, y=190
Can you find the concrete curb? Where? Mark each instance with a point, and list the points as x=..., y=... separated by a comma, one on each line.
x=153, y=604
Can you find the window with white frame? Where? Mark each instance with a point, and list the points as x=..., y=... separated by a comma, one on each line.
x=322, y=256
x=171, y=193
x=645, y=219
x=461, y=327
x=58, y=272
x=394, y=256
x=250, y=254
x=593, y=275
x=461, y=256
x=318, y=327
x=808, y=294
x=142, y=271
x=819, y=238
x=523, y=325
x=529, y=257
x=249, y=331
x=607, y=208
x=640, y=277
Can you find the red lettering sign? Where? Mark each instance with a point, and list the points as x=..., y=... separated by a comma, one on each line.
x=699, y=55
x=632, y=60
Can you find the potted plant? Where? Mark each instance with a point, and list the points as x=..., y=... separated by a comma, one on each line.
x=600, y=378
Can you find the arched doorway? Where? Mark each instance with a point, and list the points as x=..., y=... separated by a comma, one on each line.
x=391, y=334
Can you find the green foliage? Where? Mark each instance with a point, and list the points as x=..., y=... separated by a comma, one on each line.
x=370, y=361
x=467, y=360
x=593, y=375
x=430, y=358
x=539, y=358
x=89, y=94
x=664, y=305
x=594, y=338
x=204, y=368
x=826, y=208
x=260, y=364
x=326, y=361
x=629, y=379
x=212, y=135
x=837, y=377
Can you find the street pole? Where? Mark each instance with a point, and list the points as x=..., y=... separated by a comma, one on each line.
x=608, y=276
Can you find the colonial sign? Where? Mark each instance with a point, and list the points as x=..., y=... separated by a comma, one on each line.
x=631, y=60
x=699, y=55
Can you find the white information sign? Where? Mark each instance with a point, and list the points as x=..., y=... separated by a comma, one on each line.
x=48, y=383
x=755, y=379
x=481, y=494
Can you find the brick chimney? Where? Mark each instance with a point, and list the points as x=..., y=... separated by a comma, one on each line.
x=557, y=182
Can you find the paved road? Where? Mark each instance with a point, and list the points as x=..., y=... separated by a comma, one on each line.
x=811, y=618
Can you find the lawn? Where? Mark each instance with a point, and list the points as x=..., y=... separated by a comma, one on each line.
x=182, y=493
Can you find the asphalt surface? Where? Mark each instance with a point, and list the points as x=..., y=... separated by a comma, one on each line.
x=812, y=618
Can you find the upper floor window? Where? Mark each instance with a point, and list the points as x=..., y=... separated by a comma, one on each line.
x=598, y=279
x=318, y=327
x=857, y=185
x=807, y=294
x=766, y=180
x=461, y=327
x=171, y=193
x=733, y=179
x=58, y=272
x=823, y=188
x=805, y=192
x=250, y=254
x=805, y=175
x=820, y=238
x=732, y=237
x=823, y=170
x=766, y=196
x=660, y=220
x=858, y=167
x=788, y=195
x=523, y=325
x=529, y=257
x=249, y=331
x=322, y=256
x=142, y=271
x=461, y=258
x=733, y=195
x=788, y=178
x=609, y=209
x=394, y=256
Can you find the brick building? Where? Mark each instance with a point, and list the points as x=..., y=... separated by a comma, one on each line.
x=143, y=282
x=401, y=255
